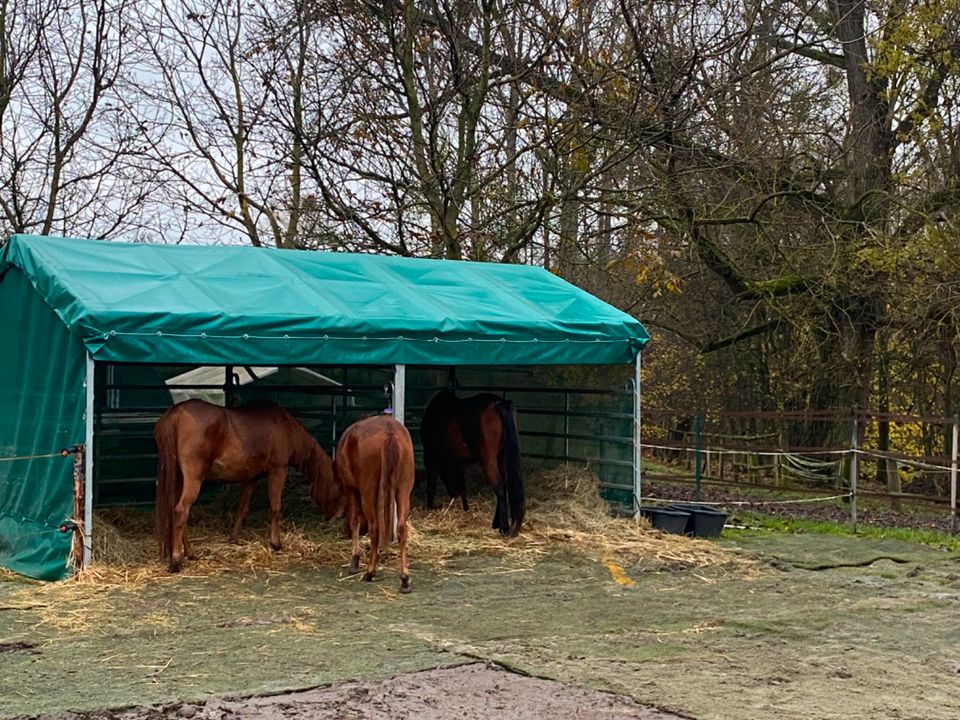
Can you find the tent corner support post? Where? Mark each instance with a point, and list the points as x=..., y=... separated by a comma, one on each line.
x=88, y=385
x=398, y=401
x=637, y=492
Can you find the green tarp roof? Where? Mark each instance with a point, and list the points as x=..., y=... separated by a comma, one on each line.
x=243, y=305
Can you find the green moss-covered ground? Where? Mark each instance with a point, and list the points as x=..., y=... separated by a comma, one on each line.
x=873, y=631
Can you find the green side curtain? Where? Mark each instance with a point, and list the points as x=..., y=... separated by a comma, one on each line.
x=41, y=411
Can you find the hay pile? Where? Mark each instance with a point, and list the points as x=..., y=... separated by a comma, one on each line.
x=125, y=549
x=564, y=511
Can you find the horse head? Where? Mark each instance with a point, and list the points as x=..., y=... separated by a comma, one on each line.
x=324, y=488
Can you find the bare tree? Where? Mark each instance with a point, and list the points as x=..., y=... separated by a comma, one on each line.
x=427, y=138
x=67, y=152
x=226, y=97
x=781, y=173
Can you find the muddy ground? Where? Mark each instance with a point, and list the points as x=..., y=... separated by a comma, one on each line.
x=825, y=627
x=476, y=690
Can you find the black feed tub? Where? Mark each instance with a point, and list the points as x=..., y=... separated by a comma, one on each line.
x=703, y=521
x=667, y=519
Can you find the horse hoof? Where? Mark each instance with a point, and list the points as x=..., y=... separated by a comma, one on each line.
x=355, y=564
x=405, y=584
x=368, y=577
x=277, y=547
x=174, y=567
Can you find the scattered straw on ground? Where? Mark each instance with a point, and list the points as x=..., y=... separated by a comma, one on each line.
x=9, y=575
x=564, y=512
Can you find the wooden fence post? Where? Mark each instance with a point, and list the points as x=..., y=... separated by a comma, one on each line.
x=79, y=506
x=854, y=469
x=698, y=429
x=953, y=476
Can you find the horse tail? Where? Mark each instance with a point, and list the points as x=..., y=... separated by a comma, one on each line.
x=510, y=465
x=169, y=480
x=389, y=479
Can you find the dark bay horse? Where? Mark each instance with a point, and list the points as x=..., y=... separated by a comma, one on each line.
x=457, y=432
x=374, y=468
x=198, y=441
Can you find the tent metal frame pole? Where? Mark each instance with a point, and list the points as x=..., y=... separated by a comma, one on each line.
x=637, y=422
x=227, y=385
x=399, y=402
x=88, y=385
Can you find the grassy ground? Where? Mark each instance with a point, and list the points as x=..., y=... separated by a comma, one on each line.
x=781, y=620
x=795, y=525
x=870, y=632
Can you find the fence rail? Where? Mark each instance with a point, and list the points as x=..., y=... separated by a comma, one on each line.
x=811, y=453
x=883, y=455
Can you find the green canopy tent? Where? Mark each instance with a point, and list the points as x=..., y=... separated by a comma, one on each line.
x=68, y=304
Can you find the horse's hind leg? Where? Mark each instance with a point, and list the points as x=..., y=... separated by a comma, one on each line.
x=403, y=509
x=191, y=489
x=354, y=521
x=187, y=548
x=501, y=520
x=368, y=502
x=374, y=557
x=455, y=480
x=491, y=471
x=458, y=484
x=246, y=492
x=275, y=482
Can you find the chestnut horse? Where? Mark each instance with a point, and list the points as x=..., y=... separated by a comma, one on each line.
x=198, y=441
x=374, y=468
x=457, y=432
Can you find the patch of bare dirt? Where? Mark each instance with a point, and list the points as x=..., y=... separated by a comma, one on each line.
x=463, y=692
x=15, y=646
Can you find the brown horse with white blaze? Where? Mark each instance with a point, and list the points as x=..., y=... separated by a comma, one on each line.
x=375, y=469
x=199, y=441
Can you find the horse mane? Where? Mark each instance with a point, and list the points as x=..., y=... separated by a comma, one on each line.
x=313, y=462
x=304, y=445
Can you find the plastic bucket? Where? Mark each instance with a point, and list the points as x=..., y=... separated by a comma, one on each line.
x=704, y=521
x=667, y=519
